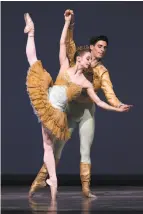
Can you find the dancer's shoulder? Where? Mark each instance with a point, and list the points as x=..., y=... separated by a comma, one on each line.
x=102, y=68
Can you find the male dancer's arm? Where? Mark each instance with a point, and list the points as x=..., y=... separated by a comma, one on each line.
x=107, y=87
x=70, y=44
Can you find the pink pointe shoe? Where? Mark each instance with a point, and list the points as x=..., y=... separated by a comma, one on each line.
x=53, y=187
x=29, y=28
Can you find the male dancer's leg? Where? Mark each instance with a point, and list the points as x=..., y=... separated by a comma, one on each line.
x=86, y=131
x=59, y=145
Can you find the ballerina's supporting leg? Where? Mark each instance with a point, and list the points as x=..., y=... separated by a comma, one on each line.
x=49, y=160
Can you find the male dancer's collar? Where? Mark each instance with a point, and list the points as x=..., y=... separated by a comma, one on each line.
x=95, y=63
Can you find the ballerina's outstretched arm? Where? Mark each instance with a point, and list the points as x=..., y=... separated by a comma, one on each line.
x=100, y=103
x=104, y=105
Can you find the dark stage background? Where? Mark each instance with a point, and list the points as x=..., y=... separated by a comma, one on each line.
x=118, y=146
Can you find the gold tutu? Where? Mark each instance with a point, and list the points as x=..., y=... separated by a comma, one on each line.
x=38, y=81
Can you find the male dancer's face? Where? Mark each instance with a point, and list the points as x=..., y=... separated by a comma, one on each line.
x=99, y=49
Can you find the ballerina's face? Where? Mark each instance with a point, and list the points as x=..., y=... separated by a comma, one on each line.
x=85, y=60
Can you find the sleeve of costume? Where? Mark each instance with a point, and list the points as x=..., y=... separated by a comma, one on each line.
x=70, y=46
x=107, y=87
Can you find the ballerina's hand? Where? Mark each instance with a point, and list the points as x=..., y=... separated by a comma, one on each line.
x=68, y=15
x=126, y=105
x=124, y=108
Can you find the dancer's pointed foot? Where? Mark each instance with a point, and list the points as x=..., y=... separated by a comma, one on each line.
x=29, y=28
x=36, y=186
x=90, y=195
x=53, y=187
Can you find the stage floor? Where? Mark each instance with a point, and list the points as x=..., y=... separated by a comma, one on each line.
x=14, y=199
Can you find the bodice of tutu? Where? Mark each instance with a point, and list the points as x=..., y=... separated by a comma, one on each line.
x=72, y=90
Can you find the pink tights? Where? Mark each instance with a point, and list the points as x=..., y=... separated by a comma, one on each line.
x=49, y=157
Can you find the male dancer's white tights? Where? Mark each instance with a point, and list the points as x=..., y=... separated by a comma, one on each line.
x=86, y=133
